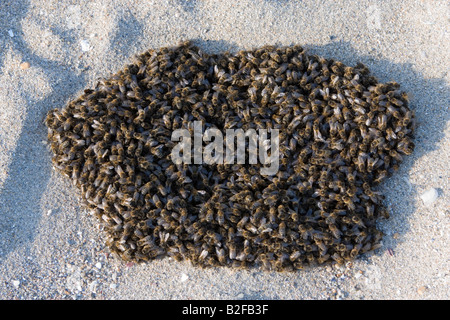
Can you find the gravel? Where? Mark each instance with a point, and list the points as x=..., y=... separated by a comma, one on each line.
x=429, y=196
x=51, y=248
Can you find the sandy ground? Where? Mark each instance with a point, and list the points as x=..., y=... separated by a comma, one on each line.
x=51, y=248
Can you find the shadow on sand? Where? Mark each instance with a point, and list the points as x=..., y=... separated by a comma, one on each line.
x=29, y=171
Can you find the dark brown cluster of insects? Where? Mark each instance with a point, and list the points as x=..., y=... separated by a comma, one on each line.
x=341, y=133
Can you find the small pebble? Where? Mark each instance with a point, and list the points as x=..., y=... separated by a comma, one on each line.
x=16, y=283
x=98, y=265
x=184, y=277
x=24, y=65
x=396, y=235
x=49, y=212
x=421, y=290
x=240, y=296
x=113, y=286
x=11, y=33
x=93, y=286
x=85, y=45
x=429, y=196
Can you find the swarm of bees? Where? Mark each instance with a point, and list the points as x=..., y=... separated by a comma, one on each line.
x=341, y=133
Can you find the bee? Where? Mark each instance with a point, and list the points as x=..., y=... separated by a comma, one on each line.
x=323, y=259
x=203, y=255
x=200, y=232
x=356, y=249
x=396, y=101
x=330, y=218
x=336, y=257
x=162, y=190
x=215, y=237
x=348, y=202
x=209, y=216
x=215, y=98
x=232, y=251
x=406, y=148
x=295, y=255
x=361, y=162
x=305, y=231
x=282, y=230
x=335, y=231
x=395, y=155
x=372, y=164
x=157, y=202
x=323, y=248
x=265, y=261
x=358, y=221
x=275, y=57
x=220, y=252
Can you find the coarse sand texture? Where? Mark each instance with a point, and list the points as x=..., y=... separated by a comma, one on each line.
x=51, y=247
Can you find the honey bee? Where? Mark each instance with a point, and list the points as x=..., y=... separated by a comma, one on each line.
x=358, y=221
x=232, y=251
x=157, y=202
x=282, y=229
x=221, y=255
x=336, y=257
x=395, y=155
x=335, y=231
